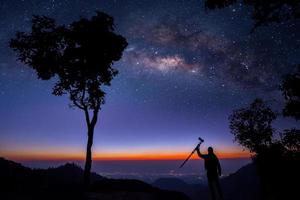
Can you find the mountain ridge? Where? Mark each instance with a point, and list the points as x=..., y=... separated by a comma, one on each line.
x=65, y=182
x=243, y=184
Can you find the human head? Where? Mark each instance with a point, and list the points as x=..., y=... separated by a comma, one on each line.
x=210, y=150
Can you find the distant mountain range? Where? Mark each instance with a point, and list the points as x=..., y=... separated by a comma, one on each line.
x=65, y=182
x=241, y=185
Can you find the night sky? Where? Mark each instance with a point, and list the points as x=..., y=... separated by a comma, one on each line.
x=184, y=71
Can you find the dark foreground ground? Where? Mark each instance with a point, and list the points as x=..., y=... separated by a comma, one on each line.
x=65, y=182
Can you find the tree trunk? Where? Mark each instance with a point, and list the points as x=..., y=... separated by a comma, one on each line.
x=88, y=159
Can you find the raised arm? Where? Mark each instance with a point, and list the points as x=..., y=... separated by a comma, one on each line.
x=198, y=152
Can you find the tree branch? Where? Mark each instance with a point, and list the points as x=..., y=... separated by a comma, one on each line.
x=79, y=106
x=95, y=114
x=87, y=117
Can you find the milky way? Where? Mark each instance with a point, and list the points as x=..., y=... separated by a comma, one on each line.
x=184, y=71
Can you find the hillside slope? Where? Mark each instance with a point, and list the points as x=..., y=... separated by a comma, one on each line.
x=241, y=185
x=65, y=182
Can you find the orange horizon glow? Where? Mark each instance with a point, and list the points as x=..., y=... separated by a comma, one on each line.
x=80, y=156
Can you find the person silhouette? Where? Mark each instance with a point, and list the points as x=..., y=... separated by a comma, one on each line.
x=213, y=171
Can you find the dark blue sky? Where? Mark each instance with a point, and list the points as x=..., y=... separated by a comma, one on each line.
x=183, y=73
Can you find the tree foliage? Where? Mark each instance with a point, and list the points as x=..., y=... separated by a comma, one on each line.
x=80, y=56
x=264, y=12
x=291, y=139
x=252, y=126
x=291, y=92
x=277, y=160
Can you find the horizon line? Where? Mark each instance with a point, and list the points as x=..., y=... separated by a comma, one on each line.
x=118, y=157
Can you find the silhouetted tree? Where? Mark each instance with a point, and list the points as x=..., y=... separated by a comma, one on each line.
x=291, y=139
x=277, y=161
x=79, y=57
x=264, y=12
x=252, y=126
x=291, y=92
